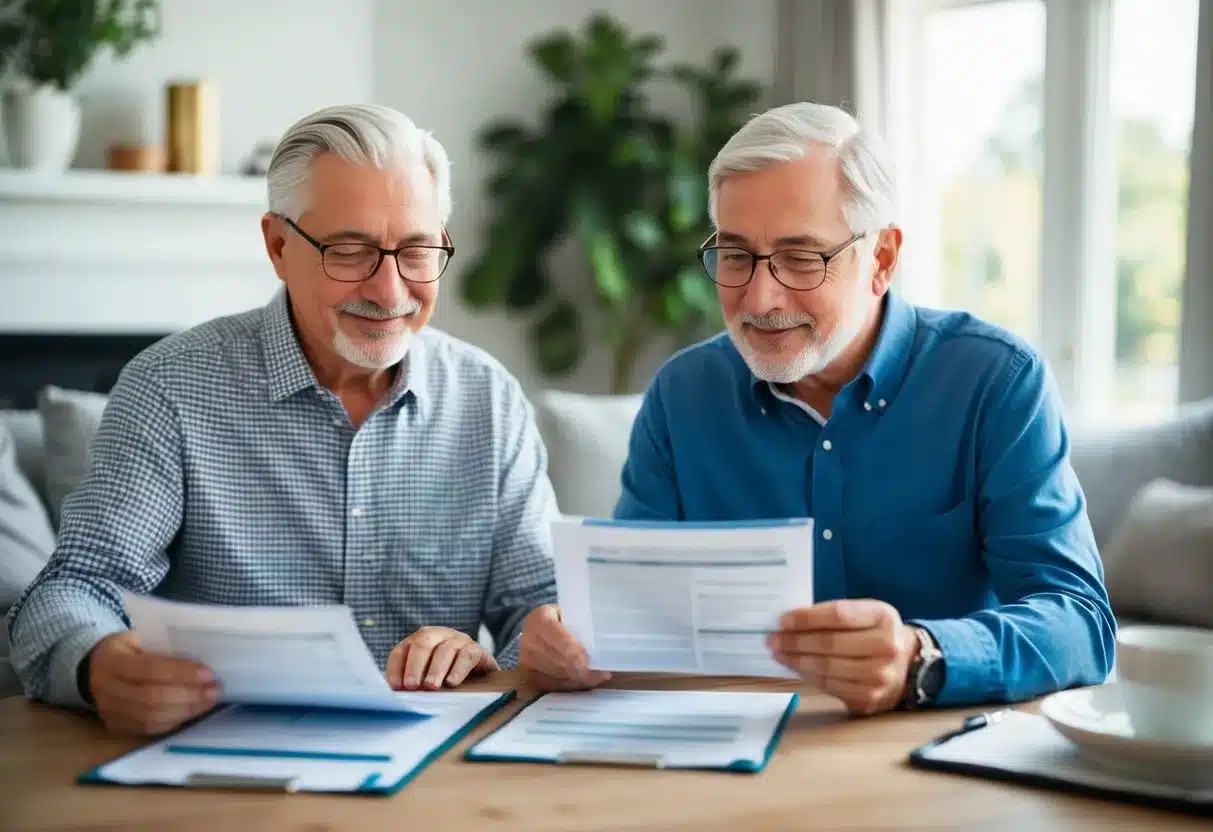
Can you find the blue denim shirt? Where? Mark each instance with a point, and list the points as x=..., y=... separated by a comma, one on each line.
x=940, y=483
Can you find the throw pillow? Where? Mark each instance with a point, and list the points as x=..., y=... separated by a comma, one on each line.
x=587, y=441
x=70, y=419
x=1159, y=562
x=26, y=536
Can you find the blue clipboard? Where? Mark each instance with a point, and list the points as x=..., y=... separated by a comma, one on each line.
x=742, y=766
x=371, y=785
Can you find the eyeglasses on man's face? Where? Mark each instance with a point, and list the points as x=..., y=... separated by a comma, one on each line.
x=798, y=269
x=354, y=262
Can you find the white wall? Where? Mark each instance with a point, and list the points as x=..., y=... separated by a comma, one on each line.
x=455, y=66
x=272, y=61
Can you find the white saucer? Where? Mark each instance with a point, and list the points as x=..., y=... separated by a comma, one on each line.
x=1094, y=719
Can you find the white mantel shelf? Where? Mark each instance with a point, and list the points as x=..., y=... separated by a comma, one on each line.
x=117, y=187
x=109, y=251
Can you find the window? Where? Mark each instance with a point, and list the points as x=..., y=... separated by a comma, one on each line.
x=1044, y=162
x=981, y=158
x=1153, y=80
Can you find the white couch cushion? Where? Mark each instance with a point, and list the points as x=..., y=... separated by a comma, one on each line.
x=70, y=419
x=587, y=440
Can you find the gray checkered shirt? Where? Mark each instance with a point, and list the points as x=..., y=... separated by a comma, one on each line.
x=223, y=473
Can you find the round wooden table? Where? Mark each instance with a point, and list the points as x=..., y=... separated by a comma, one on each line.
x=830, y=771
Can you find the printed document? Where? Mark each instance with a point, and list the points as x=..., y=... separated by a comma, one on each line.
x=306, y=656
x=305, y=749
x=663, y=729
x=681, y=597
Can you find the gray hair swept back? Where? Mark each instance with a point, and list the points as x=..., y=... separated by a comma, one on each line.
x=370, y=135
x=785, y=134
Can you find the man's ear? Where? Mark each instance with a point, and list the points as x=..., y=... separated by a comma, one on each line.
x=275, y=242
x=885, y=256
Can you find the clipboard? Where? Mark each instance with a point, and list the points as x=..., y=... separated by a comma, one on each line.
x=180, y=760
x=1032, y=753
x=483, y=750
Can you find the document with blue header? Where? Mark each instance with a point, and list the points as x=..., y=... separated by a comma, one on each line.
x=303, y=749
x=721, y=730
x=681, y=597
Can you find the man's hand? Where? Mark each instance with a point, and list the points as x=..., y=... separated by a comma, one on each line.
x=551, y=658
x=857, y=650
x=434, y=656
x=137, y=692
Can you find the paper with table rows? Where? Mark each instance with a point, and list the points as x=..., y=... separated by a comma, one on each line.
x=681, y=597
x=304, y=656
x=674, y=729
x=319, y=749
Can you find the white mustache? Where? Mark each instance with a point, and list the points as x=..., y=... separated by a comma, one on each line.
x=375, y=312
x=778, y=320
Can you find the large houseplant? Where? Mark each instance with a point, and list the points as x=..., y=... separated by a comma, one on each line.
x=627, y=182
x=50, y=44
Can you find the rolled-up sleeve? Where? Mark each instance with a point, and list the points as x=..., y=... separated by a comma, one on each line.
x=1054, y=626
x=522, y=576
x=116, y=527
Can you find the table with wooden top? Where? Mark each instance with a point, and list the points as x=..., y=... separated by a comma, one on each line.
x=830, y=771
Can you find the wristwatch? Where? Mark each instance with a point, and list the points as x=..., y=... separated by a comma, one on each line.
x=927, y=672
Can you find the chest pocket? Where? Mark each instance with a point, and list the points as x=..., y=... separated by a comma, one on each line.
x=439, y=580
x=917, y=562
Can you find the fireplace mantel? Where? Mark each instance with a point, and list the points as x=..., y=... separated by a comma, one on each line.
x=100, y=251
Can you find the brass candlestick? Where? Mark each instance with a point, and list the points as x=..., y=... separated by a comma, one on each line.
x=193, y=116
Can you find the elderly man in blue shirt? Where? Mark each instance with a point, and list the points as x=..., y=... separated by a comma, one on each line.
x=327, y=448
x=953, y=559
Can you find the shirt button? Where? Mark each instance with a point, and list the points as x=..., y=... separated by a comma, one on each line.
x=882, y=402
x=368, y=622
x=356, y=512
x=827, y=534
x=827, y=445
x=867, y=405
x=337, y=421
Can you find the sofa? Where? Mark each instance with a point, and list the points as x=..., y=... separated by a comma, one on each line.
x=1149, y=490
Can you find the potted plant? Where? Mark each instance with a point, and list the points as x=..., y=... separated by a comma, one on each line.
x=49, y=44
x=625, y=181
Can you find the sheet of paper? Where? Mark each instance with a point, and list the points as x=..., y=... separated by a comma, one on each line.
x=309, y=656
x=1028, y=744
x=319, y=751
x=681, y=597
x=682, y=729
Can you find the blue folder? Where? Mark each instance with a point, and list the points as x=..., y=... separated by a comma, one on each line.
x=386, y=750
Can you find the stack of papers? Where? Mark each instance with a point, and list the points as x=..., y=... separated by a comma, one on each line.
x=303, y=749
x=681, y=597
x=659, y=729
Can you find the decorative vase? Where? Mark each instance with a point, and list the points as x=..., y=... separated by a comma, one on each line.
x=193, y=127
x=42, y=128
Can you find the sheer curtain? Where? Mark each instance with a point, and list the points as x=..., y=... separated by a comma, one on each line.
x=1196, y=326
x=835, y=52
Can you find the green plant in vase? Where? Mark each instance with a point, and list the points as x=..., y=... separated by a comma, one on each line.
x=49, y=45
x=626, y=181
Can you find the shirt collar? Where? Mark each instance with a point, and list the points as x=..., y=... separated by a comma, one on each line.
x=289, y=372
x=886, y=366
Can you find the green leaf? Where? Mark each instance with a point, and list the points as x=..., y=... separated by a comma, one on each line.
x=556, y=54
x=527, y=289
x=503, y=137
x=697, y=290
x=602, y=249
x=725, y=59
x=559, y=343
x=643, y=230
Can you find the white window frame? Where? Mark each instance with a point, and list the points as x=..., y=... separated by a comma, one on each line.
x=1077, y=309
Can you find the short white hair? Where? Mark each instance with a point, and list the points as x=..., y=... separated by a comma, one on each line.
x=369, y=135
x=787, y=133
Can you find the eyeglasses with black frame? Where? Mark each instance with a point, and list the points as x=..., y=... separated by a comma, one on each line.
x=354, y=262
x=798, y=269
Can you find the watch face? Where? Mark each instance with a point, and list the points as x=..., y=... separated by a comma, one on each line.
x=932, y=679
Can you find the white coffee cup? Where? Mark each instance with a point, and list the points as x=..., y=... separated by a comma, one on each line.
x=1166, y=679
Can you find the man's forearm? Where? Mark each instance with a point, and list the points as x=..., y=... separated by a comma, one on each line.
x=52, y=632
x=1019, y=651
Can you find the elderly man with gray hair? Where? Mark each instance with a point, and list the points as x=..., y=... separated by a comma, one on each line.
x=953, y=559
x=327, y=448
